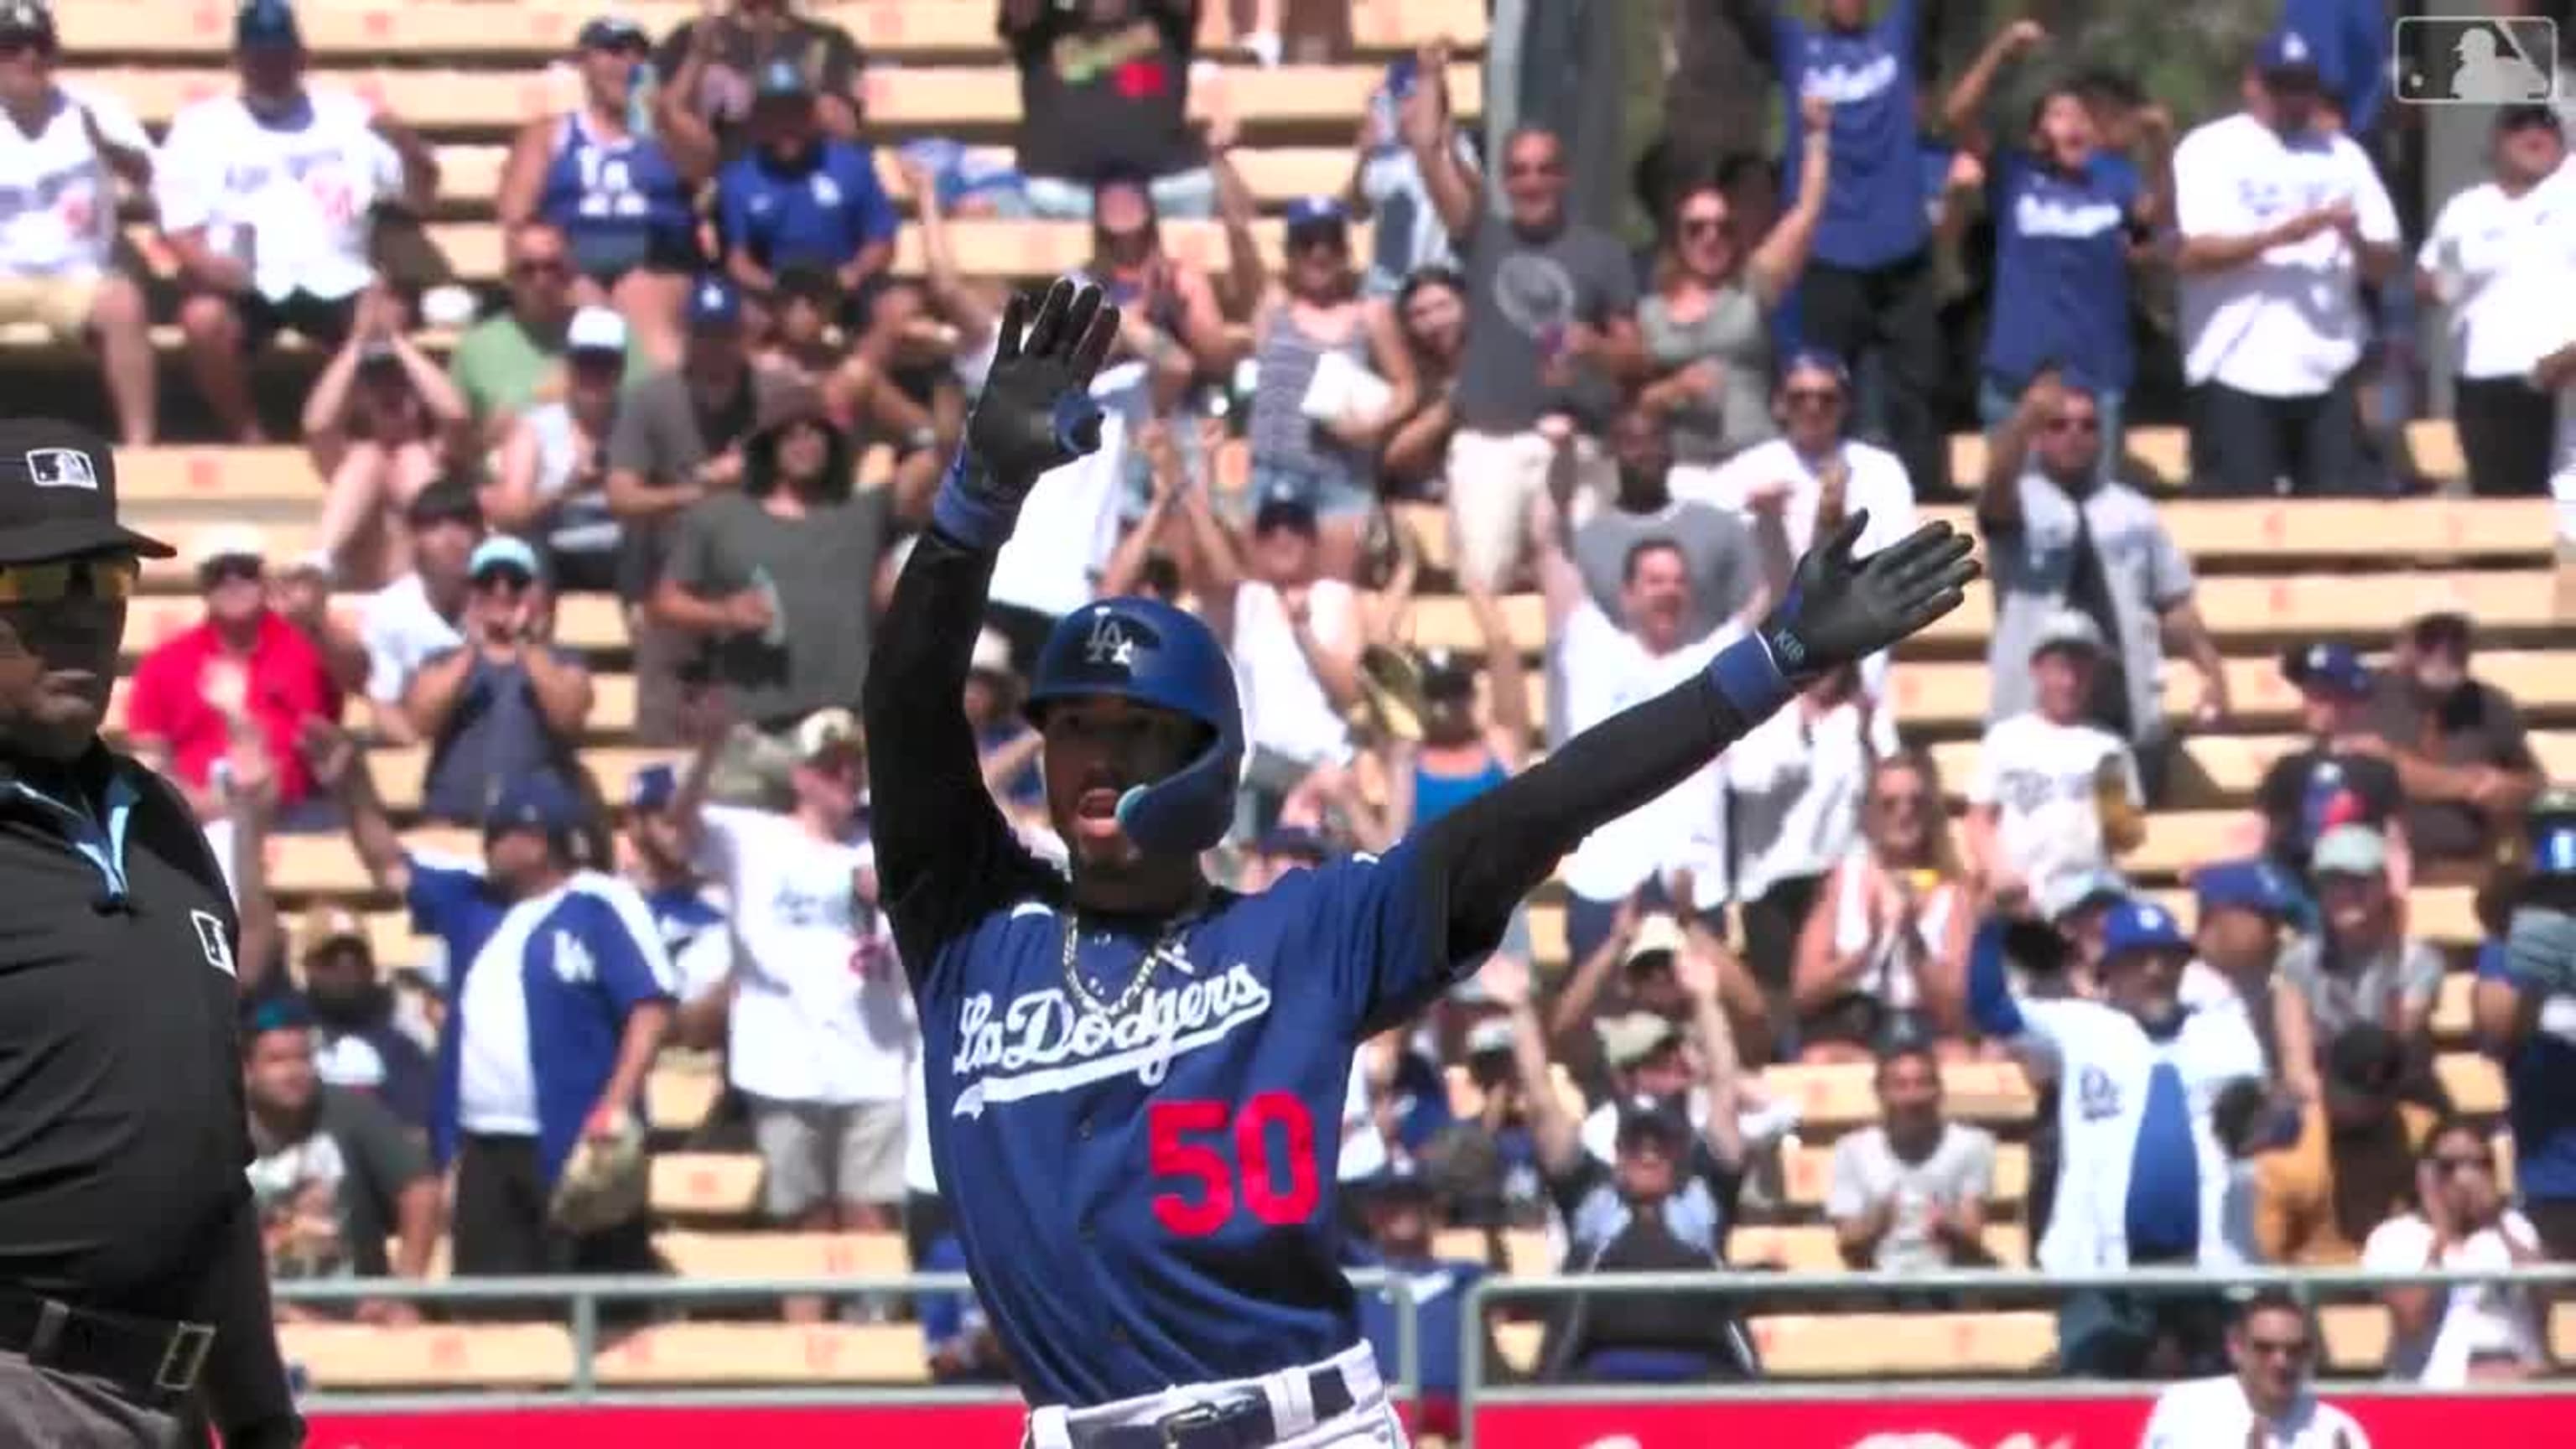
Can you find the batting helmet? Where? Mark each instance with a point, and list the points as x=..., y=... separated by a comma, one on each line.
x=1148, y=652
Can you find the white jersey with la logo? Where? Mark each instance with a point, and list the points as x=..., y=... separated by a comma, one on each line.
x=57, y=196
x=292, y=195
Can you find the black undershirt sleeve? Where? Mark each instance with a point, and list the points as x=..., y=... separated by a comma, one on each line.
x=1487, y=855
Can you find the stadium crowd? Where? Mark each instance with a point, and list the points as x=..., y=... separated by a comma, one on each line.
x=703, y=337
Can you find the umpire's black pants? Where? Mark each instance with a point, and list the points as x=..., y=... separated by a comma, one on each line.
x=504, y=1228
x=43, y=1406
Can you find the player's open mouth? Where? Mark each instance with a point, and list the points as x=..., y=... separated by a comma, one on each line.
x=1095, y=811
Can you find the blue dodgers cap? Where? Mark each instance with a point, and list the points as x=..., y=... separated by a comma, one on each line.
x=781, y=79
x=2331, y=666
x=2245, y=885
x=715, y=305
x=650, y=790
x=538, y=800
x=267, y=24
x=611, y=32
x=2135, y=925
x=2286, y=52
x=501, y=551
x=1310, y=212
x=1659, y=1117
x=1817, y=359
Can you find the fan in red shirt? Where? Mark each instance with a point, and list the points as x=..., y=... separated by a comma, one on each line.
x=244, y=677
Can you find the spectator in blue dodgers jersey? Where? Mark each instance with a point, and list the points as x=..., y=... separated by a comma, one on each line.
x=1402, y=1209
x=558, y=994
x=2525, y=1009
x=1663, y=1201
x=693, y=927
x=2281, y=221
x=2067, y=210
x=802, y=198
x=2060, y=535
x=2144, y=1178
x=1872, y=288
x=619, y=191
x=1553, y=339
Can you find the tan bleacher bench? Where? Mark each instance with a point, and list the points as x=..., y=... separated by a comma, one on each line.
x=545, y=29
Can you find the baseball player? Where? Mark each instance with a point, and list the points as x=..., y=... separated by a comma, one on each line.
x=1135, y=1079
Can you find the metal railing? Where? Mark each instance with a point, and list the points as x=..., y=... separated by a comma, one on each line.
x=585, y=1295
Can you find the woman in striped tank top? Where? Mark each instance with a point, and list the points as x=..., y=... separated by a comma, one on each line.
x=620, y=194
x=1330, y=366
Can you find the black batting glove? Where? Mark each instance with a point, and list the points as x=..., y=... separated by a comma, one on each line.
x=1035, y=414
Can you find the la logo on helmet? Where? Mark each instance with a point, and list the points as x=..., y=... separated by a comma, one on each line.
x=1109, y=642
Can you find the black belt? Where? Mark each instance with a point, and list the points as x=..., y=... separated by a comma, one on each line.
x=156, y=1363
x=1240, y=1423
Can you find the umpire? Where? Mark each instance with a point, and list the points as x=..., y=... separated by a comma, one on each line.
x=131, y=1272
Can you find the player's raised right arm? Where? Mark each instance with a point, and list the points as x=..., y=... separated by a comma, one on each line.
x=936, y=827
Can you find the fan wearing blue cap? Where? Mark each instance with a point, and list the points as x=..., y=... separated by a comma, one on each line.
x=802, y=198
x=692, y=926
x=2342, y=775
x=1321, y=409
x=559, y=994
x=710, y=66
x=1134, y=1080
x=2285, y=185
x=2143, y=1172
x=507, y=701
x=268, y=196
x=2243, y=911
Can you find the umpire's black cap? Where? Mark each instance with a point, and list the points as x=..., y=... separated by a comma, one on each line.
x=58, y=495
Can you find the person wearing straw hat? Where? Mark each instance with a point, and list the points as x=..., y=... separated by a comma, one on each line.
x=133, y=1288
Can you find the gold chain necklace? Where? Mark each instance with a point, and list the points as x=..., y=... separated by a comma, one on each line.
x=1136, y=984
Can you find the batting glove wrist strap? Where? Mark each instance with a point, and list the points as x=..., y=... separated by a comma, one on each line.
x=1748, y=674
x=974, y=509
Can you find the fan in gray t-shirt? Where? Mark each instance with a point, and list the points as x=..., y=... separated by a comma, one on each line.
x=1726, y=565
x=1909, y=1195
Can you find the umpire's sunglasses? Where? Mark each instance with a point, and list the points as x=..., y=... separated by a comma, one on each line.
x=99, y=576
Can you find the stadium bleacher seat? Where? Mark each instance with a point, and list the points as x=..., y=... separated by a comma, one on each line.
x=765, y=1353
x=427, y=1356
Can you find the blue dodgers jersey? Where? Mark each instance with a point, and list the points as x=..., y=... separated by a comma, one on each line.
x=1874, y=212
x=1149, y=1201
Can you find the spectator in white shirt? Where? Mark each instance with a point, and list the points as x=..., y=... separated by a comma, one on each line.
x=2054, y=794
x=2445, y=1337
x=821, y=1038
x=2265, y=1403
x=2499, y=260
x=2282, y=219
x=1793, y=792
x=1602, y=666
x=419, y=615
x=551, y=482
x=268, y=197
x=62, y=156
x=2059, y=535
x=382, y=423
x=1885, y=946
x=1295, y=635
x=1909, y=1193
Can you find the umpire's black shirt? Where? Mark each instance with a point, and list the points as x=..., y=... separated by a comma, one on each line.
x=123, y=1134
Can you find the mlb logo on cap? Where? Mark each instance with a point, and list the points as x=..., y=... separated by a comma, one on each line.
x=61, y=468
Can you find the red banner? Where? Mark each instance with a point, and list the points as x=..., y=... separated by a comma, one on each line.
x=2012, y=1421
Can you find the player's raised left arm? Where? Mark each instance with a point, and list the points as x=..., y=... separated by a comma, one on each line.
x=935, y=824
x=1479, y=861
